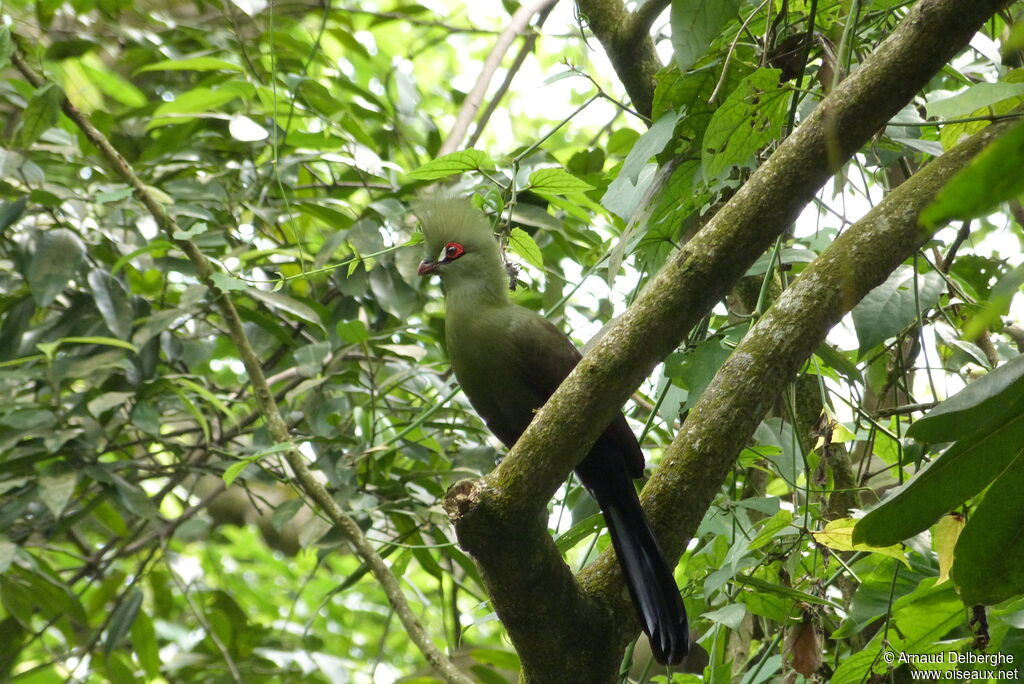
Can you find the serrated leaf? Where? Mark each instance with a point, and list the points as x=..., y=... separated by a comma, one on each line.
x=891, y=307
x=988, y=566
x=520, y=242
x=557, y=182
x=55, y=256
x=974, y=409
x=451, y=164
x=993, y=176
x=750, y=117
x=40, y=114
x=695, y=25
x=838, y=535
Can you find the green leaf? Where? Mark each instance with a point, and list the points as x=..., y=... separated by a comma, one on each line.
x=988, y=565
x=961, y=472
x=972, y=99
x=695, y=25
x=196, y=229
x=750, y=117
x=40, y=114
x=891, y=307
x=976, y=408
x=557, y=182
x=451, y=164
x=122, y=620
x=55, y=490
x=144, y=644
x=288, y=305
x=6, y=47
x=194, y=64
x=112, y=302
x=55, y=255
x=197, y=101
x=696, y=368
x=520, y=242
x=592, y=524
x=625, y=192
x=10, y=212
x=116, y=87
x=232, y=472
x=352, y=332
x=105, y=341
x=838, y=535
x=227, y=283
x=993, y=176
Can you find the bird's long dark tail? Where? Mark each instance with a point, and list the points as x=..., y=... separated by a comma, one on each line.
x=650, y=582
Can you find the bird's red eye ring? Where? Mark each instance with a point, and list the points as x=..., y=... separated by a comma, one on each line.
x=453, y=250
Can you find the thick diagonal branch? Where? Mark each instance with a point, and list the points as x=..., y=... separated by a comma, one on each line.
x=689, y=285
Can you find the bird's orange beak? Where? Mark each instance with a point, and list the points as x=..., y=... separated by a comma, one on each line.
x=427, y=267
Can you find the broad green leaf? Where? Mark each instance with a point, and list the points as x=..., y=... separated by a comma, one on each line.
x=144, y=644
x=115, y=87
x=696, y=368
x=451, y=164
x=976, y=408
x=6, y=46
x=228, y=283
x=112, y=302
x=8, y=549
x=55, y=256
x=972, y=99
x=838, y=535
x=10, y=212
x=55, y=490
x=197, y=101
x=194, y=64
x=557, y=182
x=945, y=534
x=625, y=193
x=288, y=305
x=40, y=114
x=959, y=473
x=352, y=332
x=122, y=619
x=993, y=176
x=232, y=472
x=695, y=25
x=206, y=394
x=891, y=307
x=520, y=242
x=989, y=563
x=750, y=117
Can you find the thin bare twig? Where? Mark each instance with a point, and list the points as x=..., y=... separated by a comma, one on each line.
x=470, y=106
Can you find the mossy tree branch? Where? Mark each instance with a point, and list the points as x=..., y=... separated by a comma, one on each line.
x=696, y=464
x=261, y=389
x=626, y=39
x=693, y=280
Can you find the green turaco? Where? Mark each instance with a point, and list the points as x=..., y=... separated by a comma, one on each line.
x=509, y=360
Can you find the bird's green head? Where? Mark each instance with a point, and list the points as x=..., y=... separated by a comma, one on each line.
x=460, y=246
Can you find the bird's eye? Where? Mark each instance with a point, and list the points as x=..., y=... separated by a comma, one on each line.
x=453, y=250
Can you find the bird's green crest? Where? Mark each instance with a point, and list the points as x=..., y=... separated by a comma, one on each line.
x=445, y=219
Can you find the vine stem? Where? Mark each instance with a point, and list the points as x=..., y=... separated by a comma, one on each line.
x=264, y=397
